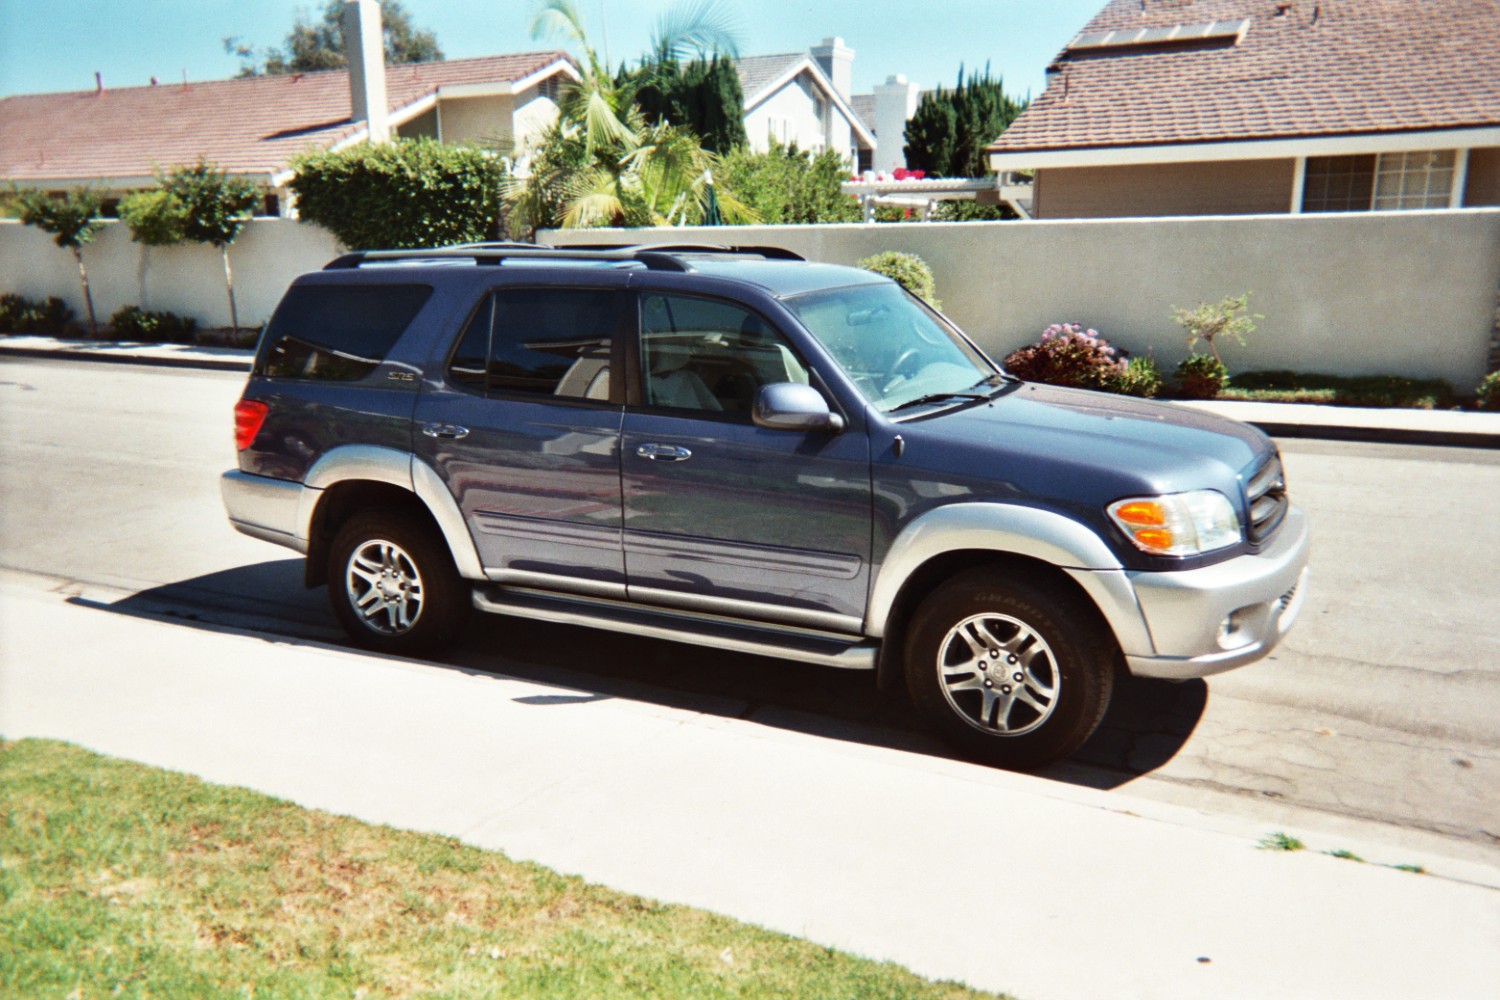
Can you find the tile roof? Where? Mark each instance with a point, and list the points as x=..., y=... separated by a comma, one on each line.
x=759, y=72
x=1305, y=68
x=250, y=125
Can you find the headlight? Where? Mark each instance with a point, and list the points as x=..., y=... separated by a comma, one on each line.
x=1181, y=524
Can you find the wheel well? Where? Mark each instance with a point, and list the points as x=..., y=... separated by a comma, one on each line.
x=937, y=570
x=342, y=501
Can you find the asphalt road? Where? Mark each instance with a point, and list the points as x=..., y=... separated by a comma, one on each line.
x=1375, y=718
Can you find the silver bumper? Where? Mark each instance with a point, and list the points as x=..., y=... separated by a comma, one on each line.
x=1204, y=621
x=265, y=508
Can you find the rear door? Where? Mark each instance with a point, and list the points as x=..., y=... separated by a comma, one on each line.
x=525, y=431
x=722, y=515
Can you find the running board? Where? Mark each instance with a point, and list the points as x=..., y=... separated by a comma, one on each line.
x=823, y=649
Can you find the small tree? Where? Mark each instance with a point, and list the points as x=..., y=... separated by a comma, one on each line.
x=213, y=209
x=314, y=45
x=1229, y=317
x=72, y=221
x=400, y=195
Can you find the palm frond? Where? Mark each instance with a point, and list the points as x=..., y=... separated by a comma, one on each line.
x=701, y=27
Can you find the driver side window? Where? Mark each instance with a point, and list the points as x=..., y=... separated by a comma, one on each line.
x=705, y=355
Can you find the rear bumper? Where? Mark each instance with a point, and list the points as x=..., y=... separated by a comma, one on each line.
x=265, y=508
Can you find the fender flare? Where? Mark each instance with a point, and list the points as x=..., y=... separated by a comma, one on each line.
x=1040, y=534
x=397, y=468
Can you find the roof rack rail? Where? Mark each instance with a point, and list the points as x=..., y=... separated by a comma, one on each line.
x=653, y=256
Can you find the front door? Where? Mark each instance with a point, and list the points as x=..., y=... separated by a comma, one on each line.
x=722, y=515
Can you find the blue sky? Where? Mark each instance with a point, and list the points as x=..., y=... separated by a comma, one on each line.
x=53, y=45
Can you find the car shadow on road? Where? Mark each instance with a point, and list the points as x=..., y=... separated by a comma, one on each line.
x=1148, y=721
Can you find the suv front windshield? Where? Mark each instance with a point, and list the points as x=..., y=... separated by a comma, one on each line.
x=896, y=350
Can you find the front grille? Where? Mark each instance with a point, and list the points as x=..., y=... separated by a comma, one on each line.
x=1267, y=496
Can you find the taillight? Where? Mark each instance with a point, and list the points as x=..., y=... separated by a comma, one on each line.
x=249, y=414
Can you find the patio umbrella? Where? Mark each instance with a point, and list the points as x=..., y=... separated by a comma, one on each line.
x=711, y=216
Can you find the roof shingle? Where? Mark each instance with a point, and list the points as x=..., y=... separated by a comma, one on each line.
x=1331, y=67
x=251, y=125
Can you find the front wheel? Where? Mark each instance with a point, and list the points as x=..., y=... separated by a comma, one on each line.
x=393, y=585
x=1013, y=674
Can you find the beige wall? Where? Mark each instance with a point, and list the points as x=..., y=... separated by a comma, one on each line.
x=187, y=280
x=477, y=120
x=1409, y=293
x=1231, y=187
x=1483, y=187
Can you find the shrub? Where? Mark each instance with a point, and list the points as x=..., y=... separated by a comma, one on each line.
x=907, y=270
x=1069, y=355
x=787, y=186
x=401, y=195
x=1141, y=377
x=1488, y=392
x=135, y=323
x=19, y=314
x=1342, y=390
x=1210, y=320
x=1201, y=376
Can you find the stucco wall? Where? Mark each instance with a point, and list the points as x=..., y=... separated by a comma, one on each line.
x=1408, y=293
x=1233, y=187
x=187, y=280
x=794, y=102
x=477, y=119
x=1483, y=187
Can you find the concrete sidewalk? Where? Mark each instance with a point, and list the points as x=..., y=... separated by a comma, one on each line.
x=1003, y=881
x=1394, y=426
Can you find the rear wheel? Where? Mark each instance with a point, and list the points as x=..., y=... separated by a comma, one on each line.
x=1013, y=674
x=393, y=585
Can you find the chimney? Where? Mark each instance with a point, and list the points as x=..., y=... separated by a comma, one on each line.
x=364, y=47
x=836, y=60
x=98, y=82
x=895, y=103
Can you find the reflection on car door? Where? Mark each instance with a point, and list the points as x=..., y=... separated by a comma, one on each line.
x=725, y=516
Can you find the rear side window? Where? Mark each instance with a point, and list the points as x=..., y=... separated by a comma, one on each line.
x=337, y=332
x=540, y=341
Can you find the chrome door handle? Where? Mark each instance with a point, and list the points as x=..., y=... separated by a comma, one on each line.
x=663, y=452
x=450, y=431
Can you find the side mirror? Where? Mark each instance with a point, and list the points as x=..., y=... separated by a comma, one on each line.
x=791, y=406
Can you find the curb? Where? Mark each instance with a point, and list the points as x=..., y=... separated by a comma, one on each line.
x=1326, y=432
x=60, y=354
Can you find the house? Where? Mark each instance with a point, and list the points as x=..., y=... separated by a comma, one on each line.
x=1234, y=107
x=112, y=139
x=803, y=98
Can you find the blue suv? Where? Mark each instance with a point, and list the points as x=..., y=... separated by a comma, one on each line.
x=736, y=448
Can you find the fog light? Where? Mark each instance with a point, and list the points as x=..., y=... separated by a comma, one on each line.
x=1233, y=630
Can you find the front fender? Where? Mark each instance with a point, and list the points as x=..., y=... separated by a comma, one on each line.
x=995, y=527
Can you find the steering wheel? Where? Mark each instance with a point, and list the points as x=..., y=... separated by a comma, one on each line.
x=898, y=369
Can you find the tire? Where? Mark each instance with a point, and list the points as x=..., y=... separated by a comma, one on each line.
x=393, y=585
x=1047, y=674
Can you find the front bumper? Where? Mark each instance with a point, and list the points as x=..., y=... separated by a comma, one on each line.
x=1192, y=623
x=265, y=508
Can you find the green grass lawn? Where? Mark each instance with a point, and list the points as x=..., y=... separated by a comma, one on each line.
x=118, y=879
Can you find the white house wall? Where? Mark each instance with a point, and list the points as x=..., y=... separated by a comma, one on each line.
x=533, y=113
x=790, y=115
x=479, y=120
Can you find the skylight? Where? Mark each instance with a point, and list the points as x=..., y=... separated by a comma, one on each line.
x=1177, y=34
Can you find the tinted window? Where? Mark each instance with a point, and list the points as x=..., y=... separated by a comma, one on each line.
x=700, y=354
x=339, y=332
x=547, y=341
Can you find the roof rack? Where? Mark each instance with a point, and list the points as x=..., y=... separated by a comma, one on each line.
x=654, y=257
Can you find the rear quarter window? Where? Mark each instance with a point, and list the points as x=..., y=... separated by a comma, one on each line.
x=337, y=332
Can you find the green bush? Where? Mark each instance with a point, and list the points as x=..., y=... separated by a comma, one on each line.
x=1488, y=392
x=1201, y=376
x=401, y=195
x=785, y=186
x=1069, y=355
x=907, y=270
x=1341, y=390
x=1141, y=377
x=135, y=323
x=19, y=314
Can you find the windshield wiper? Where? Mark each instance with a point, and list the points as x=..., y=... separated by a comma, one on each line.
x=937, y=397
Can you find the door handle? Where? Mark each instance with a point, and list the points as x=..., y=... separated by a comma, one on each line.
x=449, y=431
x=663, y=452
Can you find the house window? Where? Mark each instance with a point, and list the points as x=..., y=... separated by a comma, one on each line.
x=1384, y=182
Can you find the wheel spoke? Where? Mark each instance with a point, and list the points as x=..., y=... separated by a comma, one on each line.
x=1025, y=671
x=383, y=585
